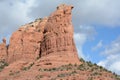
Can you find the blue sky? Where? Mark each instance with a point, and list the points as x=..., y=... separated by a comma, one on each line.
x=104, y=37
x=96, y=25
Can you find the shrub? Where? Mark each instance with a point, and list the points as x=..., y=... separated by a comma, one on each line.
x=28, y=67
x=61, y=75
x=90, y=78
x=81, y=67
x=14, y=73
x=38, y=77
x=90, y=64
x=82, y=60
x=75, y=65
x=69, y=64
x=73, y=72
x=3, y=64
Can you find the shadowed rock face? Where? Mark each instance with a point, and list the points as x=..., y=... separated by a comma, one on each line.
x=50, y=37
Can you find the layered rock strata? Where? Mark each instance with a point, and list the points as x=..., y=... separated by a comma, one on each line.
x=58, y=35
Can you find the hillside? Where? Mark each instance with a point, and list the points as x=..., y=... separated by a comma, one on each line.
x=36, y=71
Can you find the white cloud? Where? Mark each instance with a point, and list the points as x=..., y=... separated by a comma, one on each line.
x=80, y=39
x=113, y=48
x=88, y=12
x=98, y=46
x=85, y=33
x=103, y=12
x=112, y=53
x=12, y=15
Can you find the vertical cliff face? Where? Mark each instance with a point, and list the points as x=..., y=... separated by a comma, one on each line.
x=50, y=37
x=58, y=35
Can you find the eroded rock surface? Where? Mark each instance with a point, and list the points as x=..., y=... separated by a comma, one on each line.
x=25, y=43
x=58, y=35
x=50, y=37
x=45, y=50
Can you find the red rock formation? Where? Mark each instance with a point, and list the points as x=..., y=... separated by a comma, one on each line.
x=58, y=36
x=52, y=35
x=51, y=39
x=3, y=50
x=25, y=43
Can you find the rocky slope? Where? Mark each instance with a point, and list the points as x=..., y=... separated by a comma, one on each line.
x=45, y=50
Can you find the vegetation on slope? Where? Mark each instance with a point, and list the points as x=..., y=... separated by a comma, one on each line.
x=86, y=69
x=3, y=64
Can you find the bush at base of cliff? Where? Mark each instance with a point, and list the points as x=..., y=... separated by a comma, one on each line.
x=2, y=65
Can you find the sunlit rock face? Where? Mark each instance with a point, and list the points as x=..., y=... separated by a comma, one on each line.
x=25, y=43
x=51, y=38
x=58, y=35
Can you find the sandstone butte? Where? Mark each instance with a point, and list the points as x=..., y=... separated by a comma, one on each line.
x=44, y=43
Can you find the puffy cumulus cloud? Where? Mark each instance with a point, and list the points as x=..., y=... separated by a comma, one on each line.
x=88, y=12
x=112, y=53
x=102, y=12
x=80, y=39
x=86, y=32
x=12, y=15
x=99, y=45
